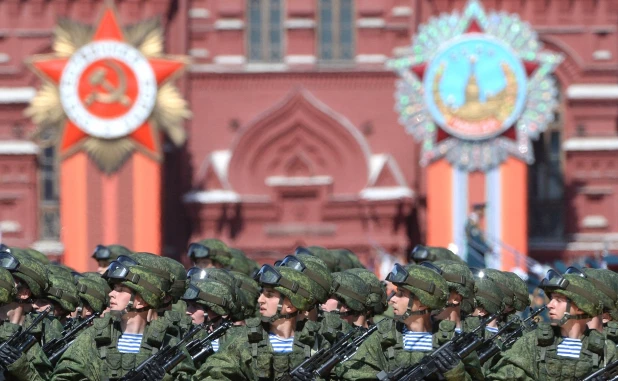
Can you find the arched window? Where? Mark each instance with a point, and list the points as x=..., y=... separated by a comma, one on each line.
x=265, y=32
x=546, y=212
x=336, y=30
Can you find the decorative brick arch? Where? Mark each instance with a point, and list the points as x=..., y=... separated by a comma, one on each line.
x=299, y=138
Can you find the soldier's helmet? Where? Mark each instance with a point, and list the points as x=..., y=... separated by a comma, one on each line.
x=424, y=281
x=521, y=297
x=212, y=294
x=92, y=290
x=240, y=263
x=249, y=291
x=215, y=250
x=26, y=269
x=329, y=258
x=292, y=284
x=459, y=278
x=62, y=288
x=501, y=280
x=486, y=293
x=7, y=287
x=422, y=253
x=378, y=300
x=606, y=281
x=195, y=274
x=109, y=252
x=347, y=259
x=150, y=283
x=314, y=268
x=576, y=287
x=178, y=273
x=37, y=255
x=351, y=290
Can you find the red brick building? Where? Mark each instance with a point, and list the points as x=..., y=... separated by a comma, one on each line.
x=294, y=139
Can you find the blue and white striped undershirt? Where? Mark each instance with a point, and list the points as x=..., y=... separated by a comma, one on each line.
x=129, y=343
x=570, y=348
x=417, y=341
x=281, y=345
x=492, y=329
x=215, y=345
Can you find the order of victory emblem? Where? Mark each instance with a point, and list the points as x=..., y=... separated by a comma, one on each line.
x=107, y=90
x=475, y=88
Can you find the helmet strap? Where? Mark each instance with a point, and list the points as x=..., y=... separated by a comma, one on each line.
x=567, y=316
x=278, y=315
x=347, y=313
x=409, y=312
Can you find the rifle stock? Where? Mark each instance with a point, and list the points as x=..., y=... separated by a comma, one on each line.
x=53, y=349
x=22, y=340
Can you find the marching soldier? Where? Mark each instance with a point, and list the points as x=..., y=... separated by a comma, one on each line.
x=349, y=299
x=104, y=255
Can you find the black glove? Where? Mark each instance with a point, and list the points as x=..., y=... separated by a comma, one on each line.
x=303, y=375
x=8, y=355
x=154, y=372
x=447, y=360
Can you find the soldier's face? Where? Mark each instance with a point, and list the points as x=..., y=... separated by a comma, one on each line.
x=269, y=301
x=103, y=265
x=206, y=263
x=558, y=306
x=119, y=297
x=332, y=305
x=400, y=301
x=197, y=313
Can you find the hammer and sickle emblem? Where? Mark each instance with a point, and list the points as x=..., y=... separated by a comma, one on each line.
x=112, y=94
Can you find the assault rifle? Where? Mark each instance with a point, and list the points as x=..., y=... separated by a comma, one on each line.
x=489, y=348
x=462, y=344
x=201, y=349
x=324, y=360
x=53, y=349
x=608, y=372
x=164, y=357
x=22, y=340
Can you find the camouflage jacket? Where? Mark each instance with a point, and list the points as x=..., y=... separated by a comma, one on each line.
x=48, y=329
x=332, y=327
x=249, y=355
x=94, y=354
x=383, y=350
x=534, y=357
x=33, y=365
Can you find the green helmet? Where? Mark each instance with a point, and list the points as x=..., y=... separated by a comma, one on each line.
x=26, y=269
x=486, y=293
x=195, y=274
x=312, y=266
x=62, y=288
x=352, y=290
x=7, y=287
x=215, y=250
x=606, y=281
x=329, y=258
x=240, y=263
x=178, y=273
x=425, y=282
x=578, y=290
x=212, y=294
x=501, y=280
x=249, y=291
x=378, y=300
x=521, y=298
x=347, y=259
x=422, y=253
x=94, y=291
x=37, y=255
x=137, y=273
x=459, y=278
x=290, y=283
x=109, y=252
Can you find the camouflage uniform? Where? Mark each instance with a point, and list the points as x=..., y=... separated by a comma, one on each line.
x=249, y=291
x=384, y=350
x=534, y=356
x=250, y=356
x=377, y=292
x=606, y=281
x=95, y=356
x=33, y=364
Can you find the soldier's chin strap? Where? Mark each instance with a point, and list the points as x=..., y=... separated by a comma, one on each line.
x=130, y=308
x=279, y=315
x=567, y=316
x=347, y=313
x=409, y=312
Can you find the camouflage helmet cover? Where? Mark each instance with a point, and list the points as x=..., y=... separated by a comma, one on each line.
x=37, y=255
x=219, y=252
x=459, y=278
x=179, y=274
x=350, y=289
x=579, y=290
x=321, y=278
x=606, y=281
x=62, y=288
x=427, y=285
x=377, y=290
x=488, y=295
x=30, y=271
x=328, y=257
x=94, y=291
x=521, y=298
x=7, y=287
x=501, y=280
x=249, y=290
x=215, y=295
x=297, y=290
x=422, y=253
x=110, y=252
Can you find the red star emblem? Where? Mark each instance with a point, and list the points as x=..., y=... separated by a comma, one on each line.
x=474, y=27
x=108, y=88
